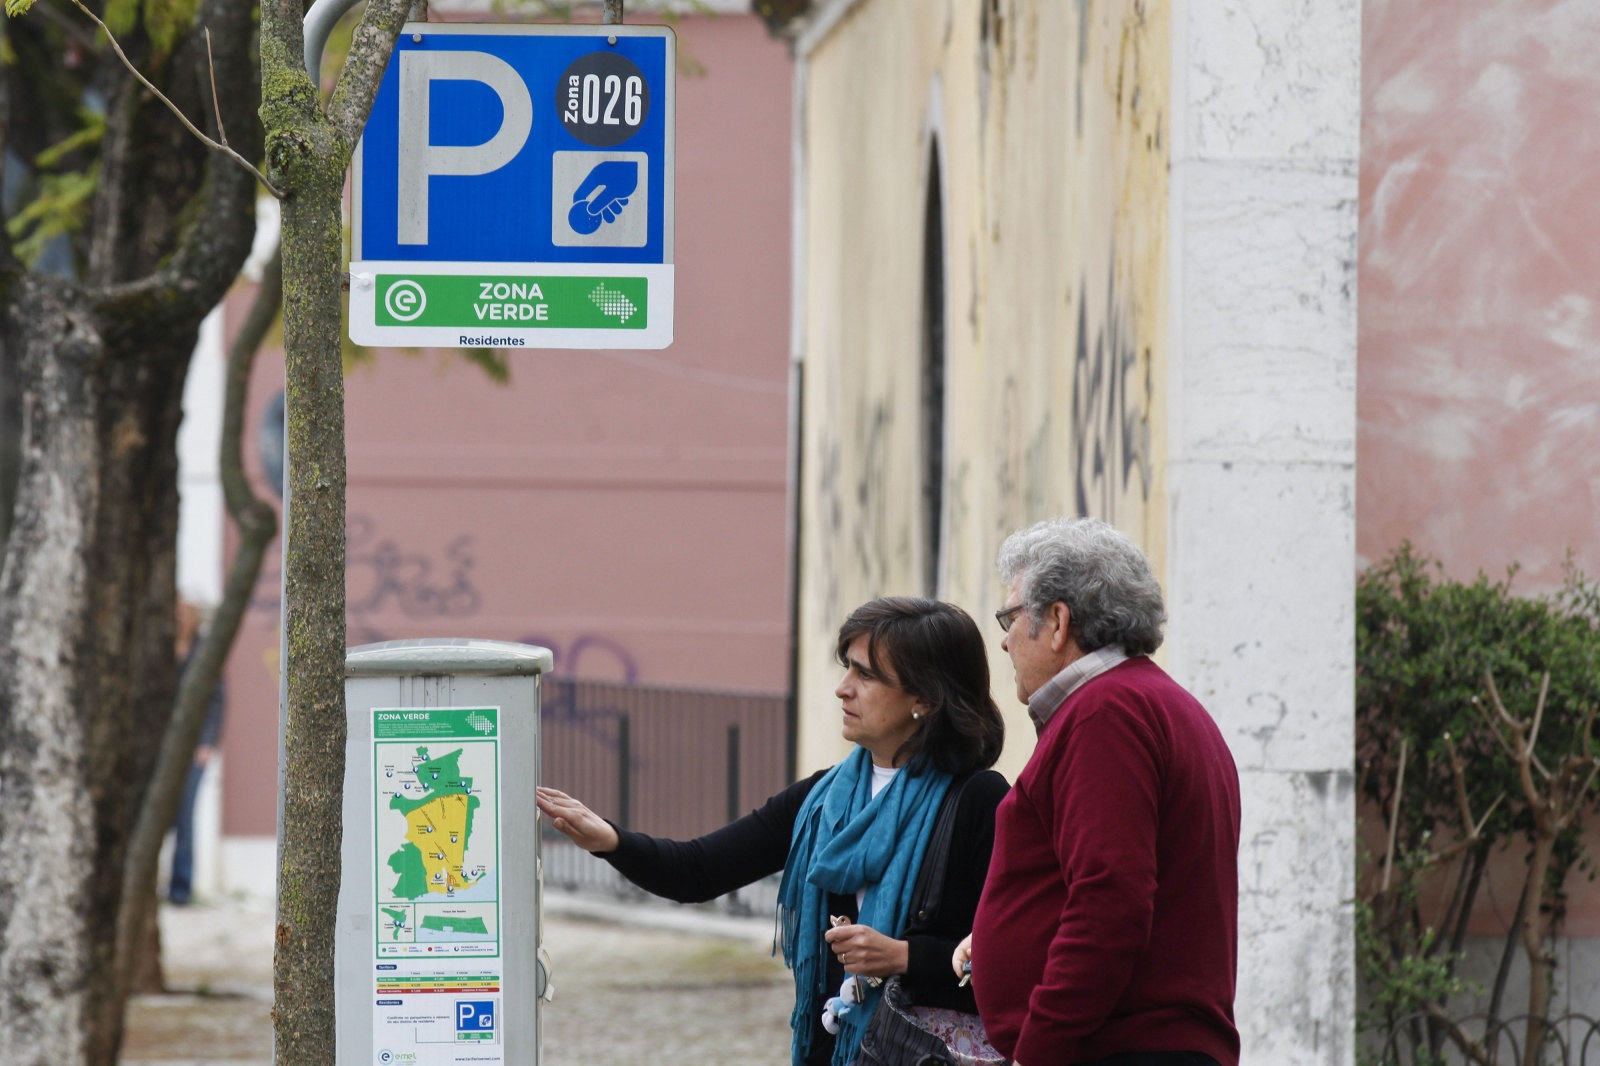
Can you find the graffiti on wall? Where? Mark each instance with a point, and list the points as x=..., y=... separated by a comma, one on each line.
x=384, y=579
x=591, y=656
x=1111, y=390
x=864, y=549
x=380, y=576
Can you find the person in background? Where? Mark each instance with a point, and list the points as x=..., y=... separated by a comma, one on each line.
x=180, y=880
x=850, y=840
x=1108, y=929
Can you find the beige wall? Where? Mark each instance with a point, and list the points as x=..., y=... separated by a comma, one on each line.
x=1052, y=124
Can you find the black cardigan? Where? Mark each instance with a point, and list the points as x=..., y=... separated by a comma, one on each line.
x=756, y=845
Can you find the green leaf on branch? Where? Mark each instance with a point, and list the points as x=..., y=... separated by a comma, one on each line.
x=94, y=129
x=166, y=21
x=60, y=208
x=61, y=202
x=18, y=8
x=491, y=362
x=121, y=16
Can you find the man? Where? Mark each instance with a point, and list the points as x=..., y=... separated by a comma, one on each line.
x=1108, y=928
x=180, y=881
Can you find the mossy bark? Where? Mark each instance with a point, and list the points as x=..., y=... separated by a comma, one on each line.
x=87, y=579
x=308, y=152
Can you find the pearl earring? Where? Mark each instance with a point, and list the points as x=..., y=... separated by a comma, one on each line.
x=916, y=714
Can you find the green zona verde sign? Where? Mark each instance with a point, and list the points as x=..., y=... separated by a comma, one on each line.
x=477, y=301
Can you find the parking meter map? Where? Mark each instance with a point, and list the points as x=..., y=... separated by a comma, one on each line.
x=439, y=829
x=436, y=811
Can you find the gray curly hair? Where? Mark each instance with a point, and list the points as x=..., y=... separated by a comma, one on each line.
x=1101, y=575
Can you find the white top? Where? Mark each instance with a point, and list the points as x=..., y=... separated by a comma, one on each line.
x=881, y=776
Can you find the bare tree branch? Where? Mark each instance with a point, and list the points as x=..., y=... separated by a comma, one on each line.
x=1459, y=776
x=1478, y=829
x=216, y=105
x=159, y=95
x=370, y=47
x=1521, y=753
x=257, y=525
x=1489, y=719
x=1394, y=814
x=1538, y=711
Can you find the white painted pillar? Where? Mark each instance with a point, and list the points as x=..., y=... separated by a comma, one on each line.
x=1266, y=119
x=200, y=504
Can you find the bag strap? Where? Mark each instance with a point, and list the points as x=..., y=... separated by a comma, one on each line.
x=929, y=890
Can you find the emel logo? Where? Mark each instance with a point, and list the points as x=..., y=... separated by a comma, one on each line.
x=405, y=300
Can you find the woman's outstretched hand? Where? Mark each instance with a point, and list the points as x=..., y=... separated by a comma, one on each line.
x=576, y=822
x=864, y=951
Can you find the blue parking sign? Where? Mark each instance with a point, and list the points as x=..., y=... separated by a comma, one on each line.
x=474, y=1018
x=512, y=180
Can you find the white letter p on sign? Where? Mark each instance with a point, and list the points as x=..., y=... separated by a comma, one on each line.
x=419, y=160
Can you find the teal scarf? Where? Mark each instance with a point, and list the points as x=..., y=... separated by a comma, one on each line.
x=843, y=842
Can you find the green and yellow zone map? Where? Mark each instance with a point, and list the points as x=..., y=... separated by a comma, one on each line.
x=439, y=825
x=436, y=822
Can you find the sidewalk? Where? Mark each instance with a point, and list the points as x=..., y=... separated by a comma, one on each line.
x=634, y=983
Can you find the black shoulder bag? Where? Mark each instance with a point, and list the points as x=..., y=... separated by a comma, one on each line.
x=895, y=1035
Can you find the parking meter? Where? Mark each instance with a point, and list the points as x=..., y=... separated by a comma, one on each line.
x=439, y=928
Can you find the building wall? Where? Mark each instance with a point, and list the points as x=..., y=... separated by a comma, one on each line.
x=1480, y=335
x=1151, y=317
x=1260, y=580
x=1049, y=123
x=626, y=509
x=1479, y=395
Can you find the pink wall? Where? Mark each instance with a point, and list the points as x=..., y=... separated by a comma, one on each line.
x=1479, y=379
x=626, y=509
x=1479, y=371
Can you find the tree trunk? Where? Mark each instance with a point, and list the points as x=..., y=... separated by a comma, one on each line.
x=87, y=583
x=86, y=621
x=140, y=961
x=148, y=980
x=1533, y=944
x=307, y=153
x=308, y=881
x=10, y=443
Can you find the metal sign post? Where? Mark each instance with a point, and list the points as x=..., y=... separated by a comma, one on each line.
x=514, y=188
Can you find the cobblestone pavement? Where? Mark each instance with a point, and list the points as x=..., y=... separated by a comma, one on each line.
x=624, y=994
x=631, y=995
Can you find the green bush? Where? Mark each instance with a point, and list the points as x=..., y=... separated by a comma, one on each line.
x=1424, y=643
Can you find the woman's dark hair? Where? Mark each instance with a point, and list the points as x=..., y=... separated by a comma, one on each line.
x=934, y=652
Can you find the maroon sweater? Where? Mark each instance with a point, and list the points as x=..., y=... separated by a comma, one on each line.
x=1109, y=922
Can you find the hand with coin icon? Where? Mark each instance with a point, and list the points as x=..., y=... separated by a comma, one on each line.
x=603, y=194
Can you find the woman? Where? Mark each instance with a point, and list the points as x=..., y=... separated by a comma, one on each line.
x=849, y=840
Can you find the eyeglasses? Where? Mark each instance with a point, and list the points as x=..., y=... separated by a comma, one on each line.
x=1008, y=615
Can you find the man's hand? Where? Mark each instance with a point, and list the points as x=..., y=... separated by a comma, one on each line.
x=864, y=951
x=962, y=956
x=576, y=822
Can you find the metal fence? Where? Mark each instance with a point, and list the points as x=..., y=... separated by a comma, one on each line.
x=1566, y=1040
x=665, y=761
